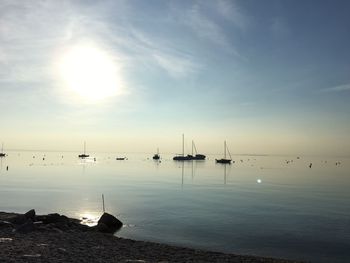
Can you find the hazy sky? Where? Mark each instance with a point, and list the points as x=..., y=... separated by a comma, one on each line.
x=267, y=76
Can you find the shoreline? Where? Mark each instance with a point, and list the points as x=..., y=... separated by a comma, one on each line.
x=74, y=242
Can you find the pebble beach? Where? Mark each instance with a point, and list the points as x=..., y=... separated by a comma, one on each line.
x=73, y=242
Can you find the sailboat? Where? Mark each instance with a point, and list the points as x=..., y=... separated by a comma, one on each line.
x=84, y=155
x=156, y=156
x=182, y=157
x=2, y=154
x=224, y=160
x=197, y=156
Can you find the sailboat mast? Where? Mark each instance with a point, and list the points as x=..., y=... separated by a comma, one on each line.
x=224, y=149
x=84, y=147
x=2, y=147
x=192, y=147
x=195, y=148
x=183, y=145
x=229, y=152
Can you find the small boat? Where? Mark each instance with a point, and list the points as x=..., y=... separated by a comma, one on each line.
x=83, y=155
x=224, y=160
x=182, y=157
x=156, y=156
x=121, y=158
x=2, y=154
x=197, y=156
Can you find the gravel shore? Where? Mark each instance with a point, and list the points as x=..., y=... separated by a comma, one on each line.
x=79, y=244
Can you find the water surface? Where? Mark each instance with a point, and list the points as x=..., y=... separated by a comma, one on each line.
x=262, y=205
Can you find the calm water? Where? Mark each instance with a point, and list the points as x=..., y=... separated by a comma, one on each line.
x=261, y=206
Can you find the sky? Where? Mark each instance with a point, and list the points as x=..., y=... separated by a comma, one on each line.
x=270, y=77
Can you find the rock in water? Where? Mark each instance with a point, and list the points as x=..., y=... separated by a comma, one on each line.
x=108, y=224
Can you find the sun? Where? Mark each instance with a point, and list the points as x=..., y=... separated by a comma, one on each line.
x=90, y=73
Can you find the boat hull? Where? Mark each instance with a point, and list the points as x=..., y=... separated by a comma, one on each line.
x=183, y=158
x=223, y=161
x=83, y=156
x=199, y=157
x=156, y=157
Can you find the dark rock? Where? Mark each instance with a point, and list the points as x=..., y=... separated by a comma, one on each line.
x=26, y=227
x=18, y=220
x=53, y=219
x=79, y=227
x=101, y=227
x=30, y=214
x=108, y=224
x=5, y=224
x=22, y=219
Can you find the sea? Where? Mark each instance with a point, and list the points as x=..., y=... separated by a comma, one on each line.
x=263, y=205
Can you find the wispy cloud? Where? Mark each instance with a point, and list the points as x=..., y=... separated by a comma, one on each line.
x=339, y=88
x=31, y=32
x=161, y=53
x=176, y=66
x=215, y=23
x=232, y=12
x=206, y=28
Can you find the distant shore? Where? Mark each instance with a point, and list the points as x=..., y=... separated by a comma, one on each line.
x=75, y=243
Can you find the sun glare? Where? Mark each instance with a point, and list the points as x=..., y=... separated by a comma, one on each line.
x=90, y=73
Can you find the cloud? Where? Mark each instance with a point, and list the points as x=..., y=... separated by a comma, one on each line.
x=29, y=31
x=205, y=28
x=176, y=66
x=339, y=88
x=161, y=53
x=232, y=12
x=215, y=23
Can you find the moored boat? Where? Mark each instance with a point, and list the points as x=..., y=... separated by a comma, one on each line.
x=2, y=154
x=182, y=157
x=84, y=155
x=224, y=160
x=197, y=156
x=156, y=156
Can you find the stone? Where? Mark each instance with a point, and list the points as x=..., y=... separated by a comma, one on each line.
x=101, y=227
x=26, y=227
x=108, y=223
x=5, y=224
x=53, y=218
x=30, y=214
x=18, y=220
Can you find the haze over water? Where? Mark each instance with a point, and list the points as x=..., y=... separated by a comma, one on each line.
x=261, y=206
